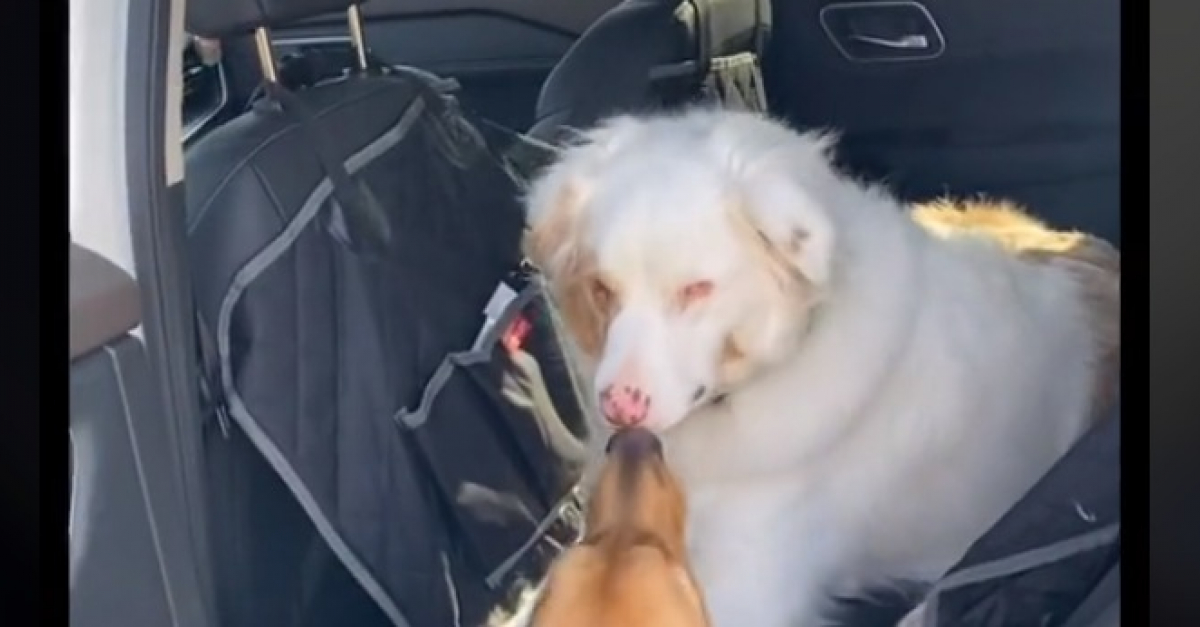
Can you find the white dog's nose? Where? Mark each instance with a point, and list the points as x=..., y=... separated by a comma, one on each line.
x=624, y=405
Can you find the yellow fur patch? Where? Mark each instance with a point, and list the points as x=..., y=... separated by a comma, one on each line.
x=1092, y=262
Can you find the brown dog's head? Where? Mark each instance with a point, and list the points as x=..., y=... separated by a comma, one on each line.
x=631, y=569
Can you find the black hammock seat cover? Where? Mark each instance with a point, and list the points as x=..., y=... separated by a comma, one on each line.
x=1054, y=559
x=423, y=444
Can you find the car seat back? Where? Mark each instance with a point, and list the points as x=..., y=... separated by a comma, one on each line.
x=653, y=54
x=374, y=337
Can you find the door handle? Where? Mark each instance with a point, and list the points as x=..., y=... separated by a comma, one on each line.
x=906, y=42
x=866, y=31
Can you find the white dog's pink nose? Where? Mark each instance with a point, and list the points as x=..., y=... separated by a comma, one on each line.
x=624, y=405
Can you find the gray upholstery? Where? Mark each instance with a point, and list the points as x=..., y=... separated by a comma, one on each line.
x=131, y=553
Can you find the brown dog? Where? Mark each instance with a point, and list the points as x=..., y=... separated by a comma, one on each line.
x=630, y=569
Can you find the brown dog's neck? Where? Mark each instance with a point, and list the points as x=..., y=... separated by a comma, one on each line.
x=614, y=540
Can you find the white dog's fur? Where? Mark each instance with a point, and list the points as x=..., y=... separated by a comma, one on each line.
x=858, y=398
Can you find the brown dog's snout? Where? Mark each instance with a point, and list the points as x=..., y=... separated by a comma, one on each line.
x=634, y=443
x=631, y=568
x=637, y=491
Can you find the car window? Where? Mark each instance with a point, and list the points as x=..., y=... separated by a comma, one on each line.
x=205, y=89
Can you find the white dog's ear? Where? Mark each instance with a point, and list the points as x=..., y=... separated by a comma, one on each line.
x=555, y=243
x=786, y=197
x=553, y=209
x=555, y=201
x=794, y=235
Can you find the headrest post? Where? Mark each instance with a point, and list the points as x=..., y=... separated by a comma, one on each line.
x=266, y=56
x=354, y=16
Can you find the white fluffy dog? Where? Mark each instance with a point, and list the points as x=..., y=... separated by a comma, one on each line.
x=851, y=392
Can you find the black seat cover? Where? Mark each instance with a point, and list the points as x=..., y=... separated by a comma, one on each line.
x=355, y=373
x=613, y=65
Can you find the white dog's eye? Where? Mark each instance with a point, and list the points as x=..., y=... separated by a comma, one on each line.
x=693, y=293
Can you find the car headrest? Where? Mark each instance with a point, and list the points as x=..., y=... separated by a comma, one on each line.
x=637, y=43
x=225, y=18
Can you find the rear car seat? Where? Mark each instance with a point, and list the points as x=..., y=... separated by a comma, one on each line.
x=649, y=54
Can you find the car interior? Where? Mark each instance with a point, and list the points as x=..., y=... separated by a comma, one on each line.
x=1016, y=100
x=932, y=97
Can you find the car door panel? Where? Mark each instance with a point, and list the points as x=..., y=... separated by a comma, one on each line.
x=129, y=548
x=1021, y=102
x=114, y=564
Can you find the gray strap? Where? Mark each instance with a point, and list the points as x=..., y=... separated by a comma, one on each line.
x=367, y=227
x=1020, y=562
